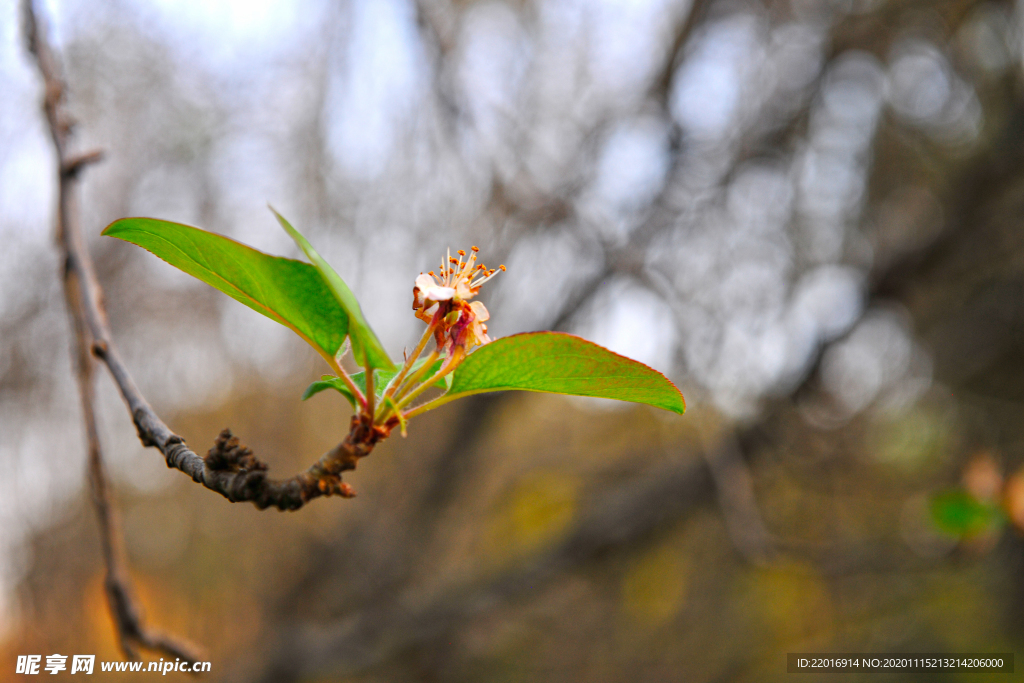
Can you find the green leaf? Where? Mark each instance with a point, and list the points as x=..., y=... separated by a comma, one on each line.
x=556, y=363
x=380, y=382
x=332, y=382
x=366, y=348
x=958, y=513
x=290, y=292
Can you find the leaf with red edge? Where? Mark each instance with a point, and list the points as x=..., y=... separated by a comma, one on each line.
x=290, y=292
x=556, y=363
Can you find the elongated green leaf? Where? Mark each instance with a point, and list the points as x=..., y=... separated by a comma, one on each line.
x=958, y=513
x=557, y=363
x=380, y=382
x=366, y=348
x=290, y=292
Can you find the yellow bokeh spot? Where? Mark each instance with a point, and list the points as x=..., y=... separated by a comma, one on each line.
x=534, y=514
x=654, y=587
x=791, y=601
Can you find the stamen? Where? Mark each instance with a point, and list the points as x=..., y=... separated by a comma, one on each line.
x=464, y=273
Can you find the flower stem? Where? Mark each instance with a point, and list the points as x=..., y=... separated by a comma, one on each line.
x=416, y=376
x=390, y=398
x=371, y=395
x=427, y=334
x=398, y=413
x=457, y=354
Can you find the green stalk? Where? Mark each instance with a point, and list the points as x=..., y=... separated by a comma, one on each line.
x=371, y=395
x=397, y=381
x=458, y=354
x=402, y=421
x=416, y=376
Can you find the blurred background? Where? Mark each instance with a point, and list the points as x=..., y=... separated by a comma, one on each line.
x=805, y=212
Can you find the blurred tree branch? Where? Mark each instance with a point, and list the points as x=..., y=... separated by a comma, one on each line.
x=628, y=514
x=81, y=294
x=734, y=489
x=384, y=627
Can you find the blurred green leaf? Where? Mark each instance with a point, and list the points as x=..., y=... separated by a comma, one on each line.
x=380, y=382
x=290, y=292
x=958, y=513
x=366, y=347
x=557, y=363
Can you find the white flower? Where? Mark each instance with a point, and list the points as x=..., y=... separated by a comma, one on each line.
x=426, y=294
x=460, y=322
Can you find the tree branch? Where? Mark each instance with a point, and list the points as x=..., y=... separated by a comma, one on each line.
x=131, y=628
x=223, y=470
x=734, y=487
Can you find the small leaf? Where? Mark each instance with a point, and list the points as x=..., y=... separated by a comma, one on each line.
x=958, y=513
x=329, y=382
x=557, y=363
x=380, y=382
x=366, y=347
x=287, y=291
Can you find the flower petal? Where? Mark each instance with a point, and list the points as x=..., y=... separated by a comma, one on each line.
x=423, y=281
x=435, y=293
x=480, y=311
